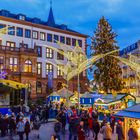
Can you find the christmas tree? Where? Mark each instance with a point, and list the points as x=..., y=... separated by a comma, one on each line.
x=108, y=72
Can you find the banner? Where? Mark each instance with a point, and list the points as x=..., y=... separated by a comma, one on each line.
x=50, y=79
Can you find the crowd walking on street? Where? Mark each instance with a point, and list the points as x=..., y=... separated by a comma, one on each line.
x=82, y=124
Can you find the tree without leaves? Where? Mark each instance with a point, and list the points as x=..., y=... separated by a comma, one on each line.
x=108, y=72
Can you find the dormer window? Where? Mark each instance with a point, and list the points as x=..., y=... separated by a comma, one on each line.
x=21, y=17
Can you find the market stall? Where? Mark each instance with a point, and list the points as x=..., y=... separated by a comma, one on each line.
x=54, y=97
x=87, y=99
x=12, y=94
x=115, y=103
x=131, y=117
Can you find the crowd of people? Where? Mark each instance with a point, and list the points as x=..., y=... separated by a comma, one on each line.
x=82, y=123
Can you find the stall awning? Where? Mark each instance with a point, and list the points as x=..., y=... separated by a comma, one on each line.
x=128, y=114
x=131, y=112
x=13, y=84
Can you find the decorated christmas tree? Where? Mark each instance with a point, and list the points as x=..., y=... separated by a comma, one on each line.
x=107, y=74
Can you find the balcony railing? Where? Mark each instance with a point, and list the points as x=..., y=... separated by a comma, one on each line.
x=15, y=49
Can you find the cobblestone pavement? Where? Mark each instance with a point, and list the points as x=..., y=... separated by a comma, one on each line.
x=46, y=131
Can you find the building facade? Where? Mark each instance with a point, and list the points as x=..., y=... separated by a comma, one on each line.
x=25, y=55
x=129, y=76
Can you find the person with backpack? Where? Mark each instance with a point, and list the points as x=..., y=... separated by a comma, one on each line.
x=106, y=131
x=132, y=134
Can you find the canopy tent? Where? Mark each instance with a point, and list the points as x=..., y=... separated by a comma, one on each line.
x=87, y=99
x=109, y=99
x=54, y=97
x=131, y=117
x=64, y=93
x=12, y=84
x=131, y=112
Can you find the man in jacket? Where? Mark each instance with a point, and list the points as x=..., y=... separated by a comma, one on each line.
x=106, y=131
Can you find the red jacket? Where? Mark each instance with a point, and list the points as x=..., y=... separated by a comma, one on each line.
x=81, y=135
x=90, y=121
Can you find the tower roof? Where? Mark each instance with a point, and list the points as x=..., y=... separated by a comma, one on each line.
x=51, y=21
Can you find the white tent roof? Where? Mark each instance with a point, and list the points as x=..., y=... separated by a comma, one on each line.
x=64, y=92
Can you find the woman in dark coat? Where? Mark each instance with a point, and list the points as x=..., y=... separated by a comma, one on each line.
x=96, y=128
x=81, y=132
x=27, y=129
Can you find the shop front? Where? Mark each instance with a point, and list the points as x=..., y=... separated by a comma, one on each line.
x=115, y=103
x=131, y=118
x=12, y=94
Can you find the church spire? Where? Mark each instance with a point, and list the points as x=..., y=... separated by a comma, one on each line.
x=51, y=21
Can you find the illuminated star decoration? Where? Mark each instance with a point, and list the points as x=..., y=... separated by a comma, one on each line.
x=3, y=74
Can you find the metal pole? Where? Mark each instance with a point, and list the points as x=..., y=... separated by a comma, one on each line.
x=67, y=94
x=78, y=82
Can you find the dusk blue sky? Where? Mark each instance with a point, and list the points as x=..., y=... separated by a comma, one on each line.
x=83, y=15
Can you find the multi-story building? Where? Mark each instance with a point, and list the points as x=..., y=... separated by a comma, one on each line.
x=25, y=56
x=129, y=76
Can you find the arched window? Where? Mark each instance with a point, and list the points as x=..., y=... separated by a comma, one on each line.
x=38, y=87
x=28, y=66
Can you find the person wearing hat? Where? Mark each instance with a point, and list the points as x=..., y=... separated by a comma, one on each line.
x=119, y=131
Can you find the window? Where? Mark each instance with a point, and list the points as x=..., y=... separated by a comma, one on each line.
x=11, y=30
x=42, y=36
x=35, y=35
x=38, y=87
x=59, y=70
x=62, y=39
x=56, y=38
x=28, y=66
x=10, y=44
x=27, y=33
x=39, y=51
x=23, y=45
x=21, y=17
x=68, y=41
x=19, y=31
x=49, y=53
x=80, y=43
x=2, y=26
x=73, y=42
x=70, y=54
x=39, y=68
x=1, y=63
x=13, y=64
x=49, y=68
x=49, y=37
x=60, y=56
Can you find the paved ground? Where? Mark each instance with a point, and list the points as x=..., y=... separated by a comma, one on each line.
x=46, y=131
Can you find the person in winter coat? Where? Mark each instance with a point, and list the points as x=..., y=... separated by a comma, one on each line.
x=12, y=125
x=20, y=128
x=132, y=134
x=119, y=131
x=112, y=123
x=73, y=124
x=106, y=131
x=90, y=122
x=81, y=132
x=96, y=128
x=27, y=129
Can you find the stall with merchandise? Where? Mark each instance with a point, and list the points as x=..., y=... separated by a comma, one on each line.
x=131, y=117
